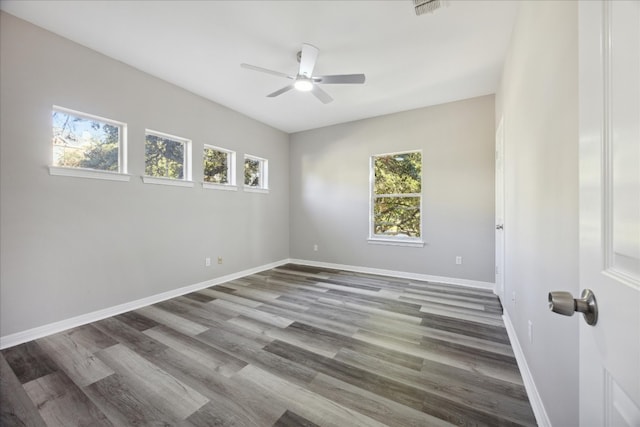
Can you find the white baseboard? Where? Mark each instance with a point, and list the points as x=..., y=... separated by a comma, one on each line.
x=532, y=391
x=53, y=328
x=405, y=275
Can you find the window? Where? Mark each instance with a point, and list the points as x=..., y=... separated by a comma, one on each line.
x=396, y=198
x=167, y=159
x=255, y=173
x=87, y=146
x=219, y=168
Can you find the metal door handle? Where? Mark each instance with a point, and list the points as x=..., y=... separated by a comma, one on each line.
x=499, y=227
x=564, y=303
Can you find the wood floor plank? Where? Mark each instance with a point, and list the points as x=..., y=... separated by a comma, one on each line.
x=16, y=407
x=61, y=403
x=370, y=404
x=160, y=388
x=291, y=346
x=309, y=405
x=77, y=362
x=291, y=419
x=29, y=362
x=179, y=323
x=196, y=350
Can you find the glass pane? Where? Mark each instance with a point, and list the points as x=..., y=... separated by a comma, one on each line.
x=252, y=173
x=216, y=166
x=79, y=142
x=163, y=157
x=396, y=216
x=398, y=173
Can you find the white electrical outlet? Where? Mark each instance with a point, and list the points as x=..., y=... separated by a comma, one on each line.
x=315, y=248
x=219, y=260
x=207, y=262
x=513, y=297
x=458, y=260
x=530, y=332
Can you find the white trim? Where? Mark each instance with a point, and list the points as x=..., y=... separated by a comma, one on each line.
x=249, y=189
x=166, y=181
x=214, y=186
x=402, y=274
x=396, y=242
x=53, y=328
x=88, y=173
x=542, y=419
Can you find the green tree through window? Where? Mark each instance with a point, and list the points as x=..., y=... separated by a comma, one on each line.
x=216, y=166
x=164, y=157
x=397, y=195
x=83, y=142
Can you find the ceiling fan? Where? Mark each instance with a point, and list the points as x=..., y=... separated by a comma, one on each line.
x=304, y=80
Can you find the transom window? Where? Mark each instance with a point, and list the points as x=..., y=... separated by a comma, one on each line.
x=167, y=156
x=396, y=197
x=255, y=172
x=219, y=166
x=85, y=141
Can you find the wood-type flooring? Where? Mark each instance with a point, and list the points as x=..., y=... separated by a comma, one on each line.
x=291, y=346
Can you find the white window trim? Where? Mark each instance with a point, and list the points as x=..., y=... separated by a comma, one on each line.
x=215, y=186
x=250, y=189
x=264, y=175
x=158, y=180
x=231, y=171
x=186, y=162
x=89, y=173
x=377, y=239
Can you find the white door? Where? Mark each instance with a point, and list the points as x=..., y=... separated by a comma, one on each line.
x=499, y=177
x=609, y=79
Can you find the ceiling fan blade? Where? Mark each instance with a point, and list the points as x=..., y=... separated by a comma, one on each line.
x=308, y=58
x=265, y=70
x=323, y=96
x=280, y=91
x=337, y=79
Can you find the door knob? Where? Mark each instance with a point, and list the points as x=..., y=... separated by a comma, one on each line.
x=499, y=227
x=564, y=303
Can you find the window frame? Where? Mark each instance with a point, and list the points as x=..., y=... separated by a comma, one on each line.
x=185, y=181
x=264, y=174
x=78, y=172
x=231, y=170
x=393, y=240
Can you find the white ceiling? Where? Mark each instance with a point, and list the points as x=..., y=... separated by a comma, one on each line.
x=410, y=61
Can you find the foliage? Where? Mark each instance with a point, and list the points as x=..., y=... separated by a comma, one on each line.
x=164, y=157
x=397, y=188
x=252, y=172
x=83, y=143
x=216, y=166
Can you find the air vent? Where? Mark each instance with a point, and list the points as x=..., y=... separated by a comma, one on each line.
x=427, y=6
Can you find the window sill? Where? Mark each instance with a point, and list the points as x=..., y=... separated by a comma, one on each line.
x=224, y=187
x=256, y=190
x=396, y=242
x=88, y=173
x=166, y=181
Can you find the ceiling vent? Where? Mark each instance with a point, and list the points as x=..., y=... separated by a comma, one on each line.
x=427, y=6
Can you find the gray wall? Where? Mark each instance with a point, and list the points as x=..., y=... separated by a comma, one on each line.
x=539, y=100
x=71, y=245
x=330, y=190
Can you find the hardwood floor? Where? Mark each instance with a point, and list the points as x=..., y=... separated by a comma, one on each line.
x=292, y=346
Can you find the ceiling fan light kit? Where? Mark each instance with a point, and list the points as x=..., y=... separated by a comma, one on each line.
x=304, y=80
